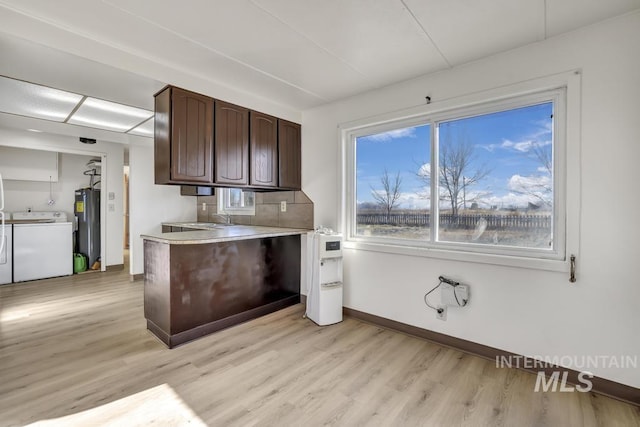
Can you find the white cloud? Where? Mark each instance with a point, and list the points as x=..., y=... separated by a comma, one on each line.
x=529, y=183
x=523, y=146
x=490, y=148
x=508, y=200
x=425, y=170
x=415, y=200
x=409, y=200
x=545, y=129
x=392, y=134
x=521, y=190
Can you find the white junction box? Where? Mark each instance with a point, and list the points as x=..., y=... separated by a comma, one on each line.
x=324, y=290
x=454, y=296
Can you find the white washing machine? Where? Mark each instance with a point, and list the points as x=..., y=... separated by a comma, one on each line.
x=6, y=263
x=42, y=249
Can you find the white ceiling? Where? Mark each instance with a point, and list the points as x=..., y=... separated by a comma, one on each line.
x=292, y=54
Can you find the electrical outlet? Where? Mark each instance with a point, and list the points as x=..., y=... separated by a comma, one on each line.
x=442, y=315
x=204, y=206
x=283, y=206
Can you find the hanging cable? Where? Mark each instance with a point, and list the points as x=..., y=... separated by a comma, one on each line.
x=439, y=310
x=450, y=282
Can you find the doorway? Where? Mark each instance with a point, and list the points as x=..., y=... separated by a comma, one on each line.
x=125, y=207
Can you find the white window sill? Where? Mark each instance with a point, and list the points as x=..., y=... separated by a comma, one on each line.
x=457, y=255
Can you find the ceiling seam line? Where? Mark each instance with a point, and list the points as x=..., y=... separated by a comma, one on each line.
x=426, y=33
x=238, y=61
x=344, y=61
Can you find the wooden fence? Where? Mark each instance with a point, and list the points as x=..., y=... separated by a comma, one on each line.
x=466, y=221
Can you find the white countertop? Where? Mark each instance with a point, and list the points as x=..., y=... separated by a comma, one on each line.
x=221, y=233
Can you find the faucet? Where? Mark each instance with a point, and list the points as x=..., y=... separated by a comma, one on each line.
x=226, y=217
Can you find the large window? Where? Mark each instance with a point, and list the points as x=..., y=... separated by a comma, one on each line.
x=481, y=179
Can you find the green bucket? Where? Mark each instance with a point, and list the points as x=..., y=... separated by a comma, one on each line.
x=79, y=263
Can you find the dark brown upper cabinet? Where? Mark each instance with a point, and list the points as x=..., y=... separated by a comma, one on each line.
x=231, y=144
x=289, y=155
x=204, y=142
x=183, y=137
x=263, y=150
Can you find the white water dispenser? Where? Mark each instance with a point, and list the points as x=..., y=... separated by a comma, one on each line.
x=324, y=290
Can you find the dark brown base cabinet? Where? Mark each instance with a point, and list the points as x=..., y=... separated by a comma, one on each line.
x=191, y=290
x=202, y=141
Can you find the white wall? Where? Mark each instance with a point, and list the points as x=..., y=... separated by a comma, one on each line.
x=521, y=310
x=20, y=195
x=114, y=164
x=150, y=204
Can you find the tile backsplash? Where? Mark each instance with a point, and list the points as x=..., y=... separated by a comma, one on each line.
x=299, y=212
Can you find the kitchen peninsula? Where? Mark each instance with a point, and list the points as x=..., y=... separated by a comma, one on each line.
x=198, y=282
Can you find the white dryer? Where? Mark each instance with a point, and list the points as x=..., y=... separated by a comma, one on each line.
x=42, y=245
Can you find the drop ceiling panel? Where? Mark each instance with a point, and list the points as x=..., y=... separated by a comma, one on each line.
x=108, y=115
x=141, y=38
x=242, y=32
x=10, y=121
x=26, y=99
x=51, y=67
x=567, y=15
x=466, y=30
x=377, y=38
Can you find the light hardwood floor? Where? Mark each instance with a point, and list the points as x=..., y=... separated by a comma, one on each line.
x=78, y=347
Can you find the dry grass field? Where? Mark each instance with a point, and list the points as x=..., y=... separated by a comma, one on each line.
x=537, y=238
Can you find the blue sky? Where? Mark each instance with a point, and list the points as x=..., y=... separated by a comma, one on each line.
x=502, y=142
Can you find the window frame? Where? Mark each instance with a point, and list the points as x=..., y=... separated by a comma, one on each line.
x=563, y=91
x=224, y=199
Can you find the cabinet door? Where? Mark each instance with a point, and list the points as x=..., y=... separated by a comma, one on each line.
x=289, y=146
x=264, y=150
x=191, y=137
x=231, y=144
x=162, y=137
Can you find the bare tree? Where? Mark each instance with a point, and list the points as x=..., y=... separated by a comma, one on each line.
x=539, y=188
x=389, y=196
x=456, y=173
x=544, y=156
